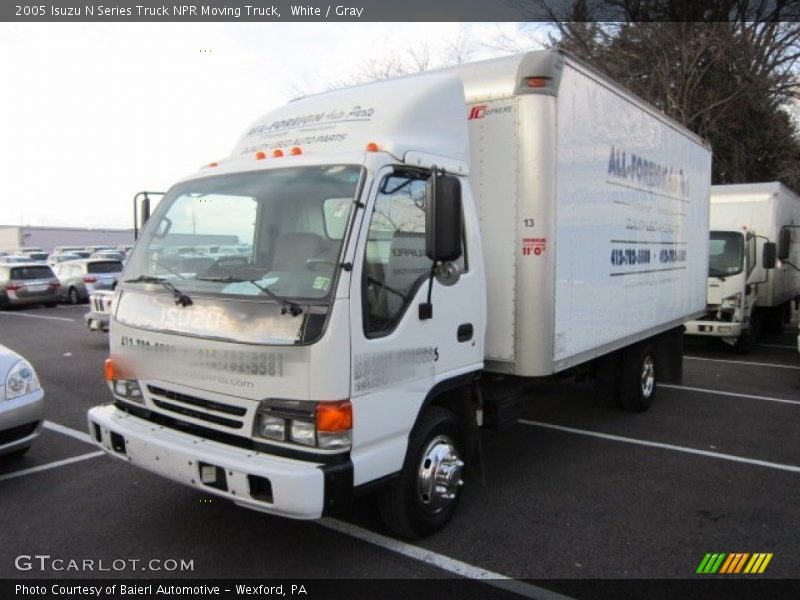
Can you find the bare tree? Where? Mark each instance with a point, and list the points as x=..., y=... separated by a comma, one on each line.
x=726, y=69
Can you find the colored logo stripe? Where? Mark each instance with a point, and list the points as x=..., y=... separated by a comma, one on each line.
x=710, y=563
x=758, y=563
x=734, y=563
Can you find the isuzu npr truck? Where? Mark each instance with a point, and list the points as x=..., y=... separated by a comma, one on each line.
x=420, y=250
x=754, y=255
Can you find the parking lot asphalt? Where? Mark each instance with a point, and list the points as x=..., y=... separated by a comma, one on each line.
x=575, y=491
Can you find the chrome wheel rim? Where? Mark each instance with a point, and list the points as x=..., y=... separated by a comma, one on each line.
x=648, y=376
x=439, y=474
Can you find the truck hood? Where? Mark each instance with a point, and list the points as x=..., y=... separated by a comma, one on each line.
x=719, y=288
x=178, y=362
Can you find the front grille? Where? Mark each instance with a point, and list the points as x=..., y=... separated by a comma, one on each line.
x=98, y=304
x=17, y=433
x=231, y=439
x=179, y=401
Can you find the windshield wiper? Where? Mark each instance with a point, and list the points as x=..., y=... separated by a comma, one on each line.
x=286, y=305
x=181, y=299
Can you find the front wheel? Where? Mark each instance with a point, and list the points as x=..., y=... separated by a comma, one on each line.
x=73, y=296
x=425, y=496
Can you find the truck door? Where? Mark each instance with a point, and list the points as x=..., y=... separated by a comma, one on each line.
x=395, y=353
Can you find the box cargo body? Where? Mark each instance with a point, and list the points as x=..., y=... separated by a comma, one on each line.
x=420, y=250
x=593, y=210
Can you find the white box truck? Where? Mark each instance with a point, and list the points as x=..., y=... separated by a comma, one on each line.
x=418, y=250
x=749, y=291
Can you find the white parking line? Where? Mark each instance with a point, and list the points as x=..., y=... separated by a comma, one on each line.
x=78, y=435
x=742, y=362
x=686, y=449
x=22, y=314
x=732, y=394
x=441, y=561
x=52, y=465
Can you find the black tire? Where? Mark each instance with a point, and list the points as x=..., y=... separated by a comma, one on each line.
x=750, y=335
x=637, y=378
x=402, y=505
x=51, y=304
x=774, y=319
x=73, y=297
x=606, y=376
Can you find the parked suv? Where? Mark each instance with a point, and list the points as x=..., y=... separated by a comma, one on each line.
x=79, y=278
x=27, y=283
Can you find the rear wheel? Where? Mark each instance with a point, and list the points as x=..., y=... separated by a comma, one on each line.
x=425, y=496
x=637, y=381
x=73, y=296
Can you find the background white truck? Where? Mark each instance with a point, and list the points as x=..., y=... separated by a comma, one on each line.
x=744, y=297
x=421, y=249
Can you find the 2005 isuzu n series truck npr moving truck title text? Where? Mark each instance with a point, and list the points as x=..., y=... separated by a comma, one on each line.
x=418, y=250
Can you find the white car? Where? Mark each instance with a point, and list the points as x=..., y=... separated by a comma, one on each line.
x=21, y=403
x=99, y=314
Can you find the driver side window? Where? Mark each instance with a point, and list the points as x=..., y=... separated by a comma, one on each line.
x=395, y=264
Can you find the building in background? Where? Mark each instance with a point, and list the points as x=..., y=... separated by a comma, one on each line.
x=47, y=238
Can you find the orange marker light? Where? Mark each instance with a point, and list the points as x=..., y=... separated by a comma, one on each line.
x=296, y=151
x=372, y=147
x=114, y=372
x=277, y=153
x=334, y=416
x=537, y=82
x=261, y=155
x=213, y=164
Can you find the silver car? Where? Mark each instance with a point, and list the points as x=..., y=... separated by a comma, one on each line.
x=27, y=283
x=63, y=257
x=21, y=403
x=79, y=278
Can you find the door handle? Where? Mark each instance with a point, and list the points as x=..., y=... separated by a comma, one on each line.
x=464, y=333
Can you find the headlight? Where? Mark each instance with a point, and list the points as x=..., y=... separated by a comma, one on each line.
x=21, y=380
x=303, y=432
x=271, y=427
x=734, y=301
x=121, y=382
x=325, y=425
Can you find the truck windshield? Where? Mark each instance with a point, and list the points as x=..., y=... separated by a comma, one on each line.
x=725, y=253
x=267, y=235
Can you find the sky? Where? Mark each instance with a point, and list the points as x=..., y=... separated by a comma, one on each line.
x=90, y=114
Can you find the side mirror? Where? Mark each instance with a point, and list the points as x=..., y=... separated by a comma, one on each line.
x=443, y=220
x=145, y=209
x=768, y=255
x=784, y=242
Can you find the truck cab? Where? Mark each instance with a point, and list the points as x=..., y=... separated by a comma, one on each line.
x=731, y=263
x=305, y=363
x=752, y=277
